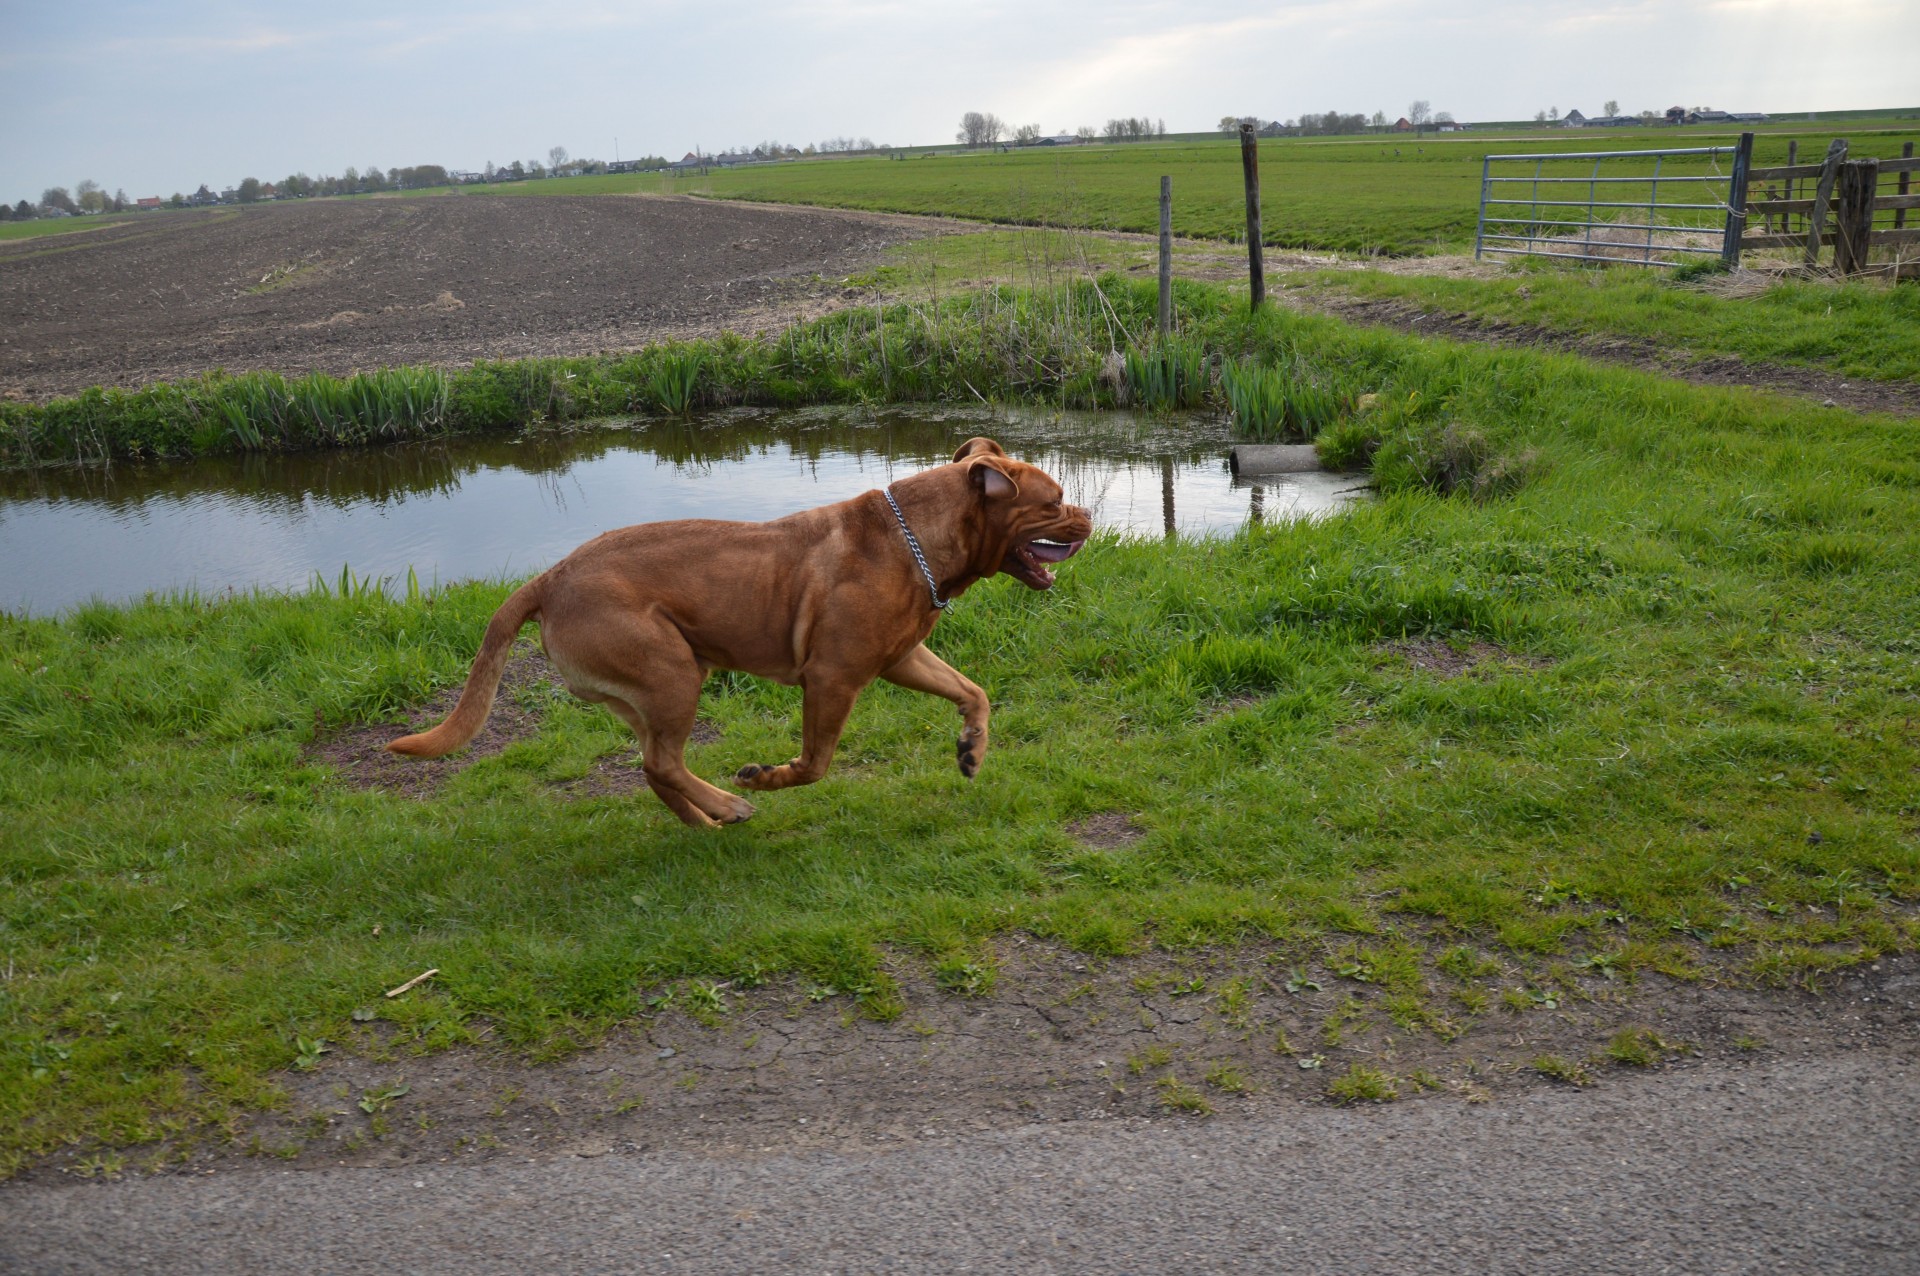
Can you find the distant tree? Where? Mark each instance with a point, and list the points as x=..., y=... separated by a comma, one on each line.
x=1612, y=108
x=90, y=197
x=1086, y=132
x=349, y=179
x=24, y=212
x=6, y=211
x=120, y=201
x=556, y=157
x=1379, y=119
x=1540, y=116
x=1420, y=113
x=518, y=170
x=980, y=128
x=1443, y=117
x=374, y=180
x=57, y=197
x=178, y=200
x=1229, y=124
x=1027, y=134
x=1553, y=113
x=249, y=190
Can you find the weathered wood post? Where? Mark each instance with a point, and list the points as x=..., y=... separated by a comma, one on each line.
x=1165, y=317
x=1736, y=203
x=1906, y=177
x=1250, y=169
x=1793, y=157
x=1823, y=191
x=1166, y=496
x=1853, y=219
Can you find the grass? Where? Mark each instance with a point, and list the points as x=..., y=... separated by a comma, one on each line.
x=1709, y=747
x=1393, y=195
x=1857, y=329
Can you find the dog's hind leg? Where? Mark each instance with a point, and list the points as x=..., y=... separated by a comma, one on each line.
x=921, y=670
x=651, y=749
x=648, y=676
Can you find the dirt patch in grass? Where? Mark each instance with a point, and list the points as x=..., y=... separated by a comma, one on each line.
x=1444, y=660
x=1062, y=1037
x=359, y=753
x=343, y=285
x=1106, y=831
x=1893, y=397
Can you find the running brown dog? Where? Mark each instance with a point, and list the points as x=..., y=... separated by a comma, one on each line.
x=828, y=599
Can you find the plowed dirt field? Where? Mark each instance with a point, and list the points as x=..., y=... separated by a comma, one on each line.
x=339, y=285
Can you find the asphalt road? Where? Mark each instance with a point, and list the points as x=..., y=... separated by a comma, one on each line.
x=1804, y=1165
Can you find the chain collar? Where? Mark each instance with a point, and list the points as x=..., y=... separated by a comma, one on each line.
x=913, y=543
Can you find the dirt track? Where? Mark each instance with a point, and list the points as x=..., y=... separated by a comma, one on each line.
x=337, y=285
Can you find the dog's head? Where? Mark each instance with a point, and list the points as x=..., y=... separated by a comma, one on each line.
x=1025, y=524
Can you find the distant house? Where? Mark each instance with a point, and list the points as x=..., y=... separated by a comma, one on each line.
x=1573, y=119
x=1749, y=117
x=1451, y=126
x=152, y=202
x=1403, y=125
x=1709, y=117
x=1061, y=139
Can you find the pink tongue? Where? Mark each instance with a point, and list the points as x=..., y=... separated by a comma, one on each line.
x=1047, y=552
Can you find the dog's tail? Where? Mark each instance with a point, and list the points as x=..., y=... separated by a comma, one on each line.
x=476, y=698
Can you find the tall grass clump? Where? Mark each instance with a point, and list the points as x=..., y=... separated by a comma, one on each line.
x=1170, y=373
x=672, y=383
x=1277, y=404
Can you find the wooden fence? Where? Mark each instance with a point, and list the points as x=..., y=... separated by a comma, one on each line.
x=1852, y=205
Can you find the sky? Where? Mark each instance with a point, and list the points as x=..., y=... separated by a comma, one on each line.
x=161, y=97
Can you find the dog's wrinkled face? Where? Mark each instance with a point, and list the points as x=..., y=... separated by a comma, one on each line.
x=1030, y=526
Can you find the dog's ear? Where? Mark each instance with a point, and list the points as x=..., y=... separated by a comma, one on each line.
x=979, y=447
x=993, y=475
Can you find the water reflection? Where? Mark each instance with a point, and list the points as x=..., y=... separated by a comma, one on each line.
x=505, y=505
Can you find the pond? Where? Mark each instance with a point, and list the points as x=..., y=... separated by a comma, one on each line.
x=506, y=506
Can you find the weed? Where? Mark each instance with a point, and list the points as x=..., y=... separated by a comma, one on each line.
x=1151, y=1057
x=373, y=1102
x=968, y=978
x=1181, y=1097
x=1169, y=374
x=1361, y=1084
x=1557, y=1068
x=1224, y=1076
x=309, y=1051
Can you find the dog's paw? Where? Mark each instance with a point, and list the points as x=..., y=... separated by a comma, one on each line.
x=739, y=811
x=753, y=776
x=968, y=753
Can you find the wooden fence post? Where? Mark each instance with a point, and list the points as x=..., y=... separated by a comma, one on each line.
x=1906, y=176
x=1853, y=219
x=1250, y=169
x=1793, y=157
x=1166, y=256
x=1817, y=217
x=1736, y=203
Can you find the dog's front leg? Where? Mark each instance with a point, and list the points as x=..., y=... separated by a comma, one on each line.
x=823, y=715
x=921, y=670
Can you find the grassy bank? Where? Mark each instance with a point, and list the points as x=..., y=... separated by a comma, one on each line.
x=1864, y=330
x=1058, y=344
x=1686, y=738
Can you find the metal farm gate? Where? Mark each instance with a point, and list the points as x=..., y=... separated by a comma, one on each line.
x=1655, y=208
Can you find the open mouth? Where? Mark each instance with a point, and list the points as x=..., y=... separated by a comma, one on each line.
x=1028, y=561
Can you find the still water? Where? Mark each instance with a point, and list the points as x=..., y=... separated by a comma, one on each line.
x=506, y=506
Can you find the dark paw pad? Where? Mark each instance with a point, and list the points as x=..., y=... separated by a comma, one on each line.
x=968, y=757
x=749, y=771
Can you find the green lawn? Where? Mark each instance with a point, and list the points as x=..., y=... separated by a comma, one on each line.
x=1392, y=194
x=1691, y=730
x=1867, y=330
